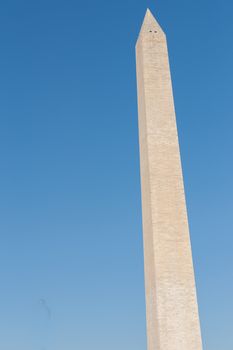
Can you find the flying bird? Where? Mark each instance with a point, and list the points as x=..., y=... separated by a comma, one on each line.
x=45, y=306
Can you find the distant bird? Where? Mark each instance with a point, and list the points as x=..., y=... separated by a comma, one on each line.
x=45, y=306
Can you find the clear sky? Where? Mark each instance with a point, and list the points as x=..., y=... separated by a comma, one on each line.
x=71, y=260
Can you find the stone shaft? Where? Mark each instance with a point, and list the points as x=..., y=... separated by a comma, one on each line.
x=171, y=303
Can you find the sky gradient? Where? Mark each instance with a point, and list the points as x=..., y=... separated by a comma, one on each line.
x=71, y=258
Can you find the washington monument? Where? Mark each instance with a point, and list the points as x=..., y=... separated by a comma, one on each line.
x=171, y=303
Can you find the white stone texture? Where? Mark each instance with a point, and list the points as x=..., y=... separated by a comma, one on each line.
x=171, y=304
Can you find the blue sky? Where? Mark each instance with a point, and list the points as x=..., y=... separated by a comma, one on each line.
x=71, y=260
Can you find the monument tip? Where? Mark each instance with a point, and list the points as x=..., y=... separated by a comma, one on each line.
x=150, y=24
x=148, y=11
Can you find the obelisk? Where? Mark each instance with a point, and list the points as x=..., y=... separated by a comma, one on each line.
x=171, y=303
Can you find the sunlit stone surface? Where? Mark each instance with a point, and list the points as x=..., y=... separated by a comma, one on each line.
x=171, y=305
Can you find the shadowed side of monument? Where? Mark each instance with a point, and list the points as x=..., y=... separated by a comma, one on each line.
x=171, y=303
